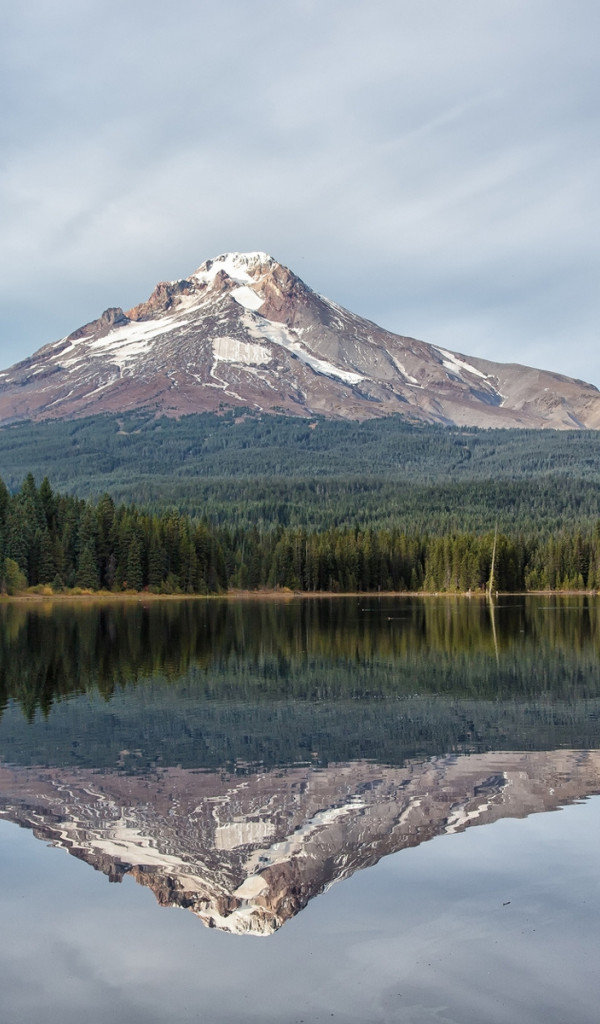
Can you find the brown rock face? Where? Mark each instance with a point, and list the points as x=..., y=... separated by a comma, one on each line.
x=245, y=331
x=106, y=322
x=245, y=854
x=164, y=297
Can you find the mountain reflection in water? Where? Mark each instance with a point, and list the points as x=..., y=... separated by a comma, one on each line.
x=246, y=853
x=240, y=757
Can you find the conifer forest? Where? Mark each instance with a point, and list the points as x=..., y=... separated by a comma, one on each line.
x=56, y=541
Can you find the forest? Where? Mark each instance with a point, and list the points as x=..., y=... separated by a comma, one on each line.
x=57, y=541
x=113, y=453
x=246, y=471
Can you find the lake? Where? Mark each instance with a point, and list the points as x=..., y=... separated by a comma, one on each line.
x=351, y=809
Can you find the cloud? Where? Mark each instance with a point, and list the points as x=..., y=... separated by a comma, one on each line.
x=431, y=166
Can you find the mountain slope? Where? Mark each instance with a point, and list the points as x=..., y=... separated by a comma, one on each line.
x=245, y=331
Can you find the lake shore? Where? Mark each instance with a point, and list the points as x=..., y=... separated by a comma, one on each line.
x=132, y=596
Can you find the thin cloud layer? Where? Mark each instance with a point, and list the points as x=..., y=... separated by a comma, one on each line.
x=432, y=166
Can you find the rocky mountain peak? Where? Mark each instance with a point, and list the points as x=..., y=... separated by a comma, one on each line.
x=244, y=330
x=239, y=266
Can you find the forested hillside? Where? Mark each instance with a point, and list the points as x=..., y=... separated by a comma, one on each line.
x=272, y=471
x=108, y=450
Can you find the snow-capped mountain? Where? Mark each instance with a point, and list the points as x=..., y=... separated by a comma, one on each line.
x=243, y=330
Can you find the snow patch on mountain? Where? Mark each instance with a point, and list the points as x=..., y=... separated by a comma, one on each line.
x=279, y=334
x=407, y=376
x=452, y=362
x=247, y=298
x=232, y=350
x=123, y=343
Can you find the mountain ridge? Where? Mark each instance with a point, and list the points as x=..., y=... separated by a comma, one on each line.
x=245, y=331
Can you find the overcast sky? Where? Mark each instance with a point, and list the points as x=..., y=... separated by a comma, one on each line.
x=433, y=165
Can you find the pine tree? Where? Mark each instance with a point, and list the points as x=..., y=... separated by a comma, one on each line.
x=135, y=572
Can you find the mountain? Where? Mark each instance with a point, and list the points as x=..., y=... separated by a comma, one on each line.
x=243, y=330
x=247, y=853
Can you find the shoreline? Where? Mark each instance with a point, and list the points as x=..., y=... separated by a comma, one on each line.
x=129, y=597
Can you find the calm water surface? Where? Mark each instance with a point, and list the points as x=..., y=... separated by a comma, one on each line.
x=438, y=759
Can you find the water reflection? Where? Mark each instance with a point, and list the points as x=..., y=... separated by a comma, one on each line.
x=239, y=757
x=245, y=854
x=311, y=648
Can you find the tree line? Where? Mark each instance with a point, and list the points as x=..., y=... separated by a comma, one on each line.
x=60, y=541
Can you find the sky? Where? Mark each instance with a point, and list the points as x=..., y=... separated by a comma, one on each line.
x=432, y=165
